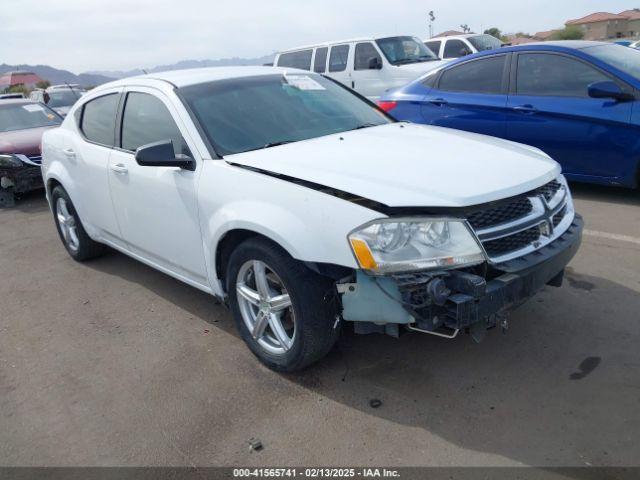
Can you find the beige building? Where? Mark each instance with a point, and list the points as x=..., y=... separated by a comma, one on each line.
x=607, y=26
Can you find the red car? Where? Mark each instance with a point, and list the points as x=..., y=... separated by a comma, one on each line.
x=22, y=123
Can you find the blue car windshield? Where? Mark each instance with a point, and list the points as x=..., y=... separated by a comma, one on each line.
x=623, y=58
x=250, y=113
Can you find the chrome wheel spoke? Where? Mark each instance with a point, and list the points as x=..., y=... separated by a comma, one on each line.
x=266, y=307
x=279, y=302
x=280, y=333
x=262, y=320
x=248, y=294
x=260, y=275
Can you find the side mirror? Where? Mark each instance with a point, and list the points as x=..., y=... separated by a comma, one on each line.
x=375, y=63
x=608, y=89
x=161, y=154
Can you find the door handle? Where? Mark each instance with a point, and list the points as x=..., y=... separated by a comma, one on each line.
x=525, y=109
x=438, y=101
x=69, y=153
x=119, y=169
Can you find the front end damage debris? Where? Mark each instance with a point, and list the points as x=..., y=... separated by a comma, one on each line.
x=445, y=302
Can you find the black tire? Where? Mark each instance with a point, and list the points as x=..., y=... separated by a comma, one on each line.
x=86, y=248
x=312, y=298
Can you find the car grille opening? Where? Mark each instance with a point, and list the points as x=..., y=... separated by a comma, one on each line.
x=513, y=242
x=502, y=214
x=522, y=224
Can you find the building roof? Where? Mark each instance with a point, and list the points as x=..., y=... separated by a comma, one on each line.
x=449, y=33
x=633, y=14
x=521, y=40
x=18, y=77
x=544, y=35
x=596, y=17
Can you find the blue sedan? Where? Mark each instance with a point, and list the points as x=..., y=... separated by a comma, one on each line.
x=577, y=101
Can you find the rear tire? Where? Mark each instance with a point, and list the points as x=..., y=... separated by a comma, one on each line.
x=73, y=235
x=293, y=324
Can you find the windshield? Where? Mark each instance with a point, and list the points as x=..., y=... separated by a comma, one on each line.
x=403, y=50
x=63, y=97
x=20, y=116
x=242, y=114
x=623, y=58
x=485, y=42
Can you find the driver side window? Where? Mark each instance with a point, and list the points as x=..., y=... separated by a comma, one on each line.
x=456, y=49
x=146, y=120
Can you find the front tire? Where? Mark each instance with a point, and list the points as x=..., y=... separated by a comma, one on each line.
x=284, y=312
x=73, y=235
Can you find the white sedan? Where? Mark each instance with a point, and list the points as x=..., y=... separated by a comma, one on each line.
x=304, y=206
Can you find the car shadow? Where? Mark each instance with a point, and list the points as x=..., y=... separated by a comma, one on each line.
x=558, y=388
x=608, y=194
x=198, y=303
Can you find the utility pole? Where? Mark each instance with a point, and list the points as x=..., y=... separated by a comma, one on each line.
x=432, y=18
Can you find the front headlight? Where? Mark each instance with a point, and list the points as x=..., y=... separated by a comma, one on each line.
x=400, y=245
x=9, y=161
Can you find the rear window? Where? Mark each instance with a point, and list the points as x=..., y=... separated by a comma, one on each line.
x=301, y=59
x=478, y=76
x=98, y=119
x=320, y=62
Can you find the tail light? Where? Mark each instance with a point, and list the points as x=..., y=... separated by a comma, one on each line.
x=387, y=106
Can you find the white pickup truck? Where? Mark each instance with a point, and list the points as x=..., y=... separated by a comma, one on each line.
x=303, y=206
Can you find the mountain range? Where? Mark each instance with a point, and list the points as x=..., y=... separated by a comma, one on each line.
x=93, y=78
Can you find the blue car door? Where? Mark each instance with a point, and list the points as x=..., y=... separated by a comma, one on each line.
x=550, y=108
x=470, y=96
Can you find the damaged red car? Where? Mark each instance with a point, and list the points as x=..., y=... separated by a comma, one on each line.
x=22, y=123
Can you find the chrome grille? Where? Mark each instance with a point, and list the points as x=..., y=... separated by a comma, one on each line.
x=524, y=224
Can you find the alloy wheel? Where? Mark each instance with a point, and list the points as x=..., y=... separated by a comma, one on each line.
x=67, y=224
x=266, y=307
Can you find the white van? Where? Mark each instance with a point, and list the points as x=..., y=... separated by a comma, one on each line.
x=368, y=65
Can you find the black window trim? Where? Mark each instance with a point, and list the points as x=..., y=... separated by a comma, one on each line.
x=80, y=118
x=514, y=73
x=506, y=73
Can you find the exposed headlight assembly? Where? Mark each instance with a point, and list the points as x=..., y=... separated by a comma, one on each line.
x=8, y=160
x=402, y=245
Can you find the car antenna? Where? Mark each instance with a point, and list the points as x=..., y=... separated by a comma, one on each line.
x=74, y=93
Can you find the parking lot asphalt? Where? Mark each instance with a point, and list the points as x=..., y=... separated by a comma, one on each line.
x=113, y=363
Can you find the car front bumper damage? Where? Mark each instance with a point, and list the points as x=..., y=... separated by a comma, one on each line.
x=446, y=302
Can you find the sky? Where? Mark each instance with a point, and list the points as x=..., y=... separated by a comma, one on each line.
x=84, y=35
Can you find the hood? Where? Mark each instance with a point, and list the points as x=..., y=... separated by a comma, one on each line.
x=26, y=142
x=407, y=165
x=62, y=111
x=422, y=67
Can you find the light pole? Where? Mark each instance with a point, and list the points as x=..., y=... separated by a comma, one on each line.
x=432, y=17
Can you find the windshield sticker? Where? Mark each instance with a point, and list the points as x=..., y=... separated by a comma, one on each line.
x=303, y=82
x=32, y=108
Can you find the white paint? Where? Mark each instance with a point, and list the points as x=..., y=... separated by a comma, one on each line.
x=612, y=236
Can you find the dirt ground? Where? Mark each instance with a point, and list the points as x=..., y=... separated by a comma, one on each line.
x=113, y=363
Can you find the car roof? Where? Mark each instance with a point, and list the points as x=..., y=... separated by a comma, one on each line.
x=465, y=35
x=338, y=42
x=194, y=76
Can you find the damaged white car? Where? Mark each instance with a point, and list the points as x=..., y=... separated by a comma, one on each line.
x=303, y=206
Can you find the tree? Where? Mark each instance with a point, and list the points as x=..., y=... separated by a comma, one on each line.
x=494, y=32
x=465, y=28
x=570, y=32
x=43, y=84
